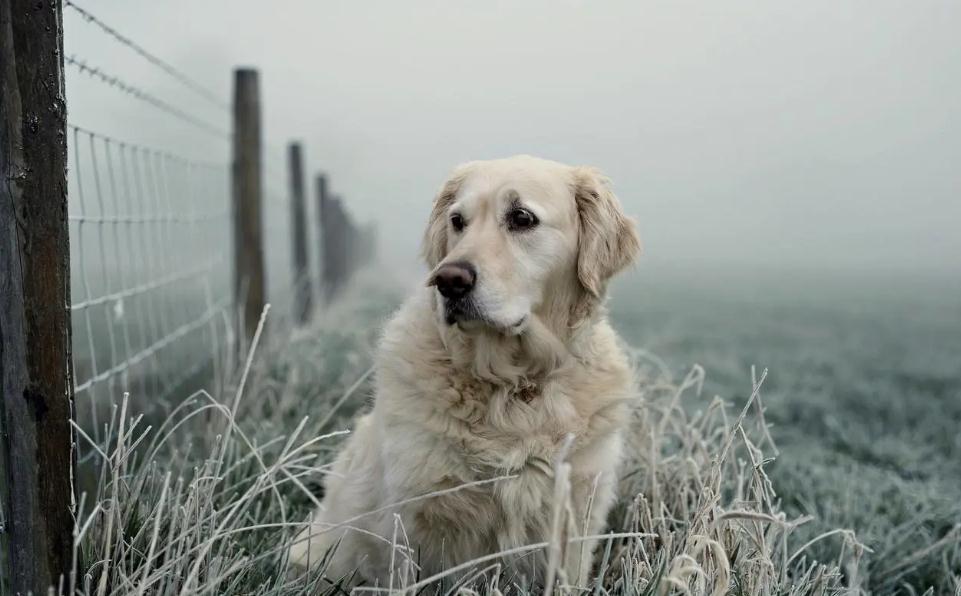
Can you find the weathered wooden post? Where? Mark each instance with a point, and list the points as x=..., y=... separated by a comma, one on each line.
x=36, y=394
x=298, y=224
x=249, y=275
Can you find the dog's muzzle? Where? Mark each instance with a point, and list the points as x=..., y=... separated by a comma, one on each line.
x=455, y=283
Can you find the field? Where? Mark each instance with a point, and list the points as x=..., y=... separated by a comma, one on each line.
x=862, y=397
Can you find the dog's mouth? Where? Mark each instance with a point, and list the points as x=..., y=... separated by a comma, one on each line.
x=463, y=310
x=464, y=313
x=459, y=310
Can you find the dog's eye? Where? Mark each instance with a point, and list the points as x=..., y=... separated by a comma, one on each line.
x=457, y=221
x=521, y=219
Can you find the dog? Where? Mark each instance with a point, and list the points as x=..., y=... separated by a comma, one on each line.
x=485, y=378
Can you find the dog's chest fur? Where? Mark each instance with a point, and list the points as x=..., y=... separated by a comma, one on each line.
x=459, y=428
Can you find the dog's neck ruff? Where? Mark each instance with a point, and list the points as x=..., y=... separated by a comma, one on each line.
x=521, y=363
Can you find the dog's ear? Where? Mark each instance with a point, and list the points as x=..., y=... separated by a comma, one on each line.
x=608, y=240
x=434, y=246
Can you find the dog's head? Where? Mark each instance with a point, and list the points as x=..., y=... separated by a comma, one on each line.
x=511, y=239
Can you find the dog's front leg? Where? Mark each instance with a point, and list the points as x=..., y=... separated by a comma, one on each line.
x=591, y=499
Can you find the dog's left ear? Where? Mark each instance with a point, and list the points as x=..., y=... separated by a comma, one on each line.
x=434, y=245
x=608, y=240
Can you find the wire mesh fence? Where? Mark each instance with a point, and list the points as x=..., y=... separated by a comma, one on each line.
x=148, y=286
x=153, y=308
x=149, y=236
x=150, y=290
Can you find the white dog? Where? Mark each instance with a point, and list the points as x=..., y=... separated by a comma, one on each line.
x=485, y=374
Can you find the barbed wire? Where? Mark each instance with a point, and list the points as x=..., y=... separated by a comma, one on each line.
x=162, y=65
x=137, y=93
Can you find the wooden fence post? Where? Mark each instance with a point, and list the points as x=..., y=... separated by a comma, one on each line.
x=298, y=224
x=36, y=393
x=249, y=275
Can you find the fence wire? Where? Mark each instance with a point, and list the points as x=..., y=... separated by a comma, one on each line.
x=150, y=232
x=153, y=310
x=149, y=235
x=162, y=65
x=114, y=81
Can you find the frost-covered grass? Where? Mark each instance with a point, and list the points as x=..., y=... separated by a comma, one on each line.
x=208, y=499
x=863, y=396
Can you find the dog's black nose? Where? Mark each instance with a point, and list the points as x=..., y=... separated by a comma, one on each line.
x=455, y=280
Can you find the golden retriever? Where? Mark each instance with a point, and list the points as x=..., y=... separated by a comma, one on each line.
x=482, y=377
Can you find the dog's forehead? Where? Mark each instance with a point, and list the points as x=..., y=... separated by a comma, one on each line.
x=526, y=179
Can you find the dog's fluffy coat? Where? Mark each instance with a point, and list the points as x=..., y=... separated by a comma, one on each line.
x=457, y=404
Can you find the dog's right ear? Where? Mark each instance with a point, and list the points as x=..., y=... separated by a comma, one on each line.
x=607, y=240
x=434, y=247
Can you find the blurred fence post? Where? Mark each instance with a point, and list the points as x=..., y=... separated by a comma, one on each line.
x=36, y=392
x=249, y=282
x=298, y=223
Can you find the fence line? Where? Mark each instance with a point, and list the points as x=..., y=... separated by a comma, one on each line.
x=35, y=377
x=161, y=64
x=140, y=218
x=151, y=235
x=151, y=239
x=117, y=82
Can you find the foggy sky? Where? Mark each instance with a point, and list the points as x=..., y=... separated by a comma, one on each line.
x=822, y=134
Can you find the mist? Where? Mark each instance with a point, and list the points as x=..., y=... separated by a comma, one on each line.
x=817, y=135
